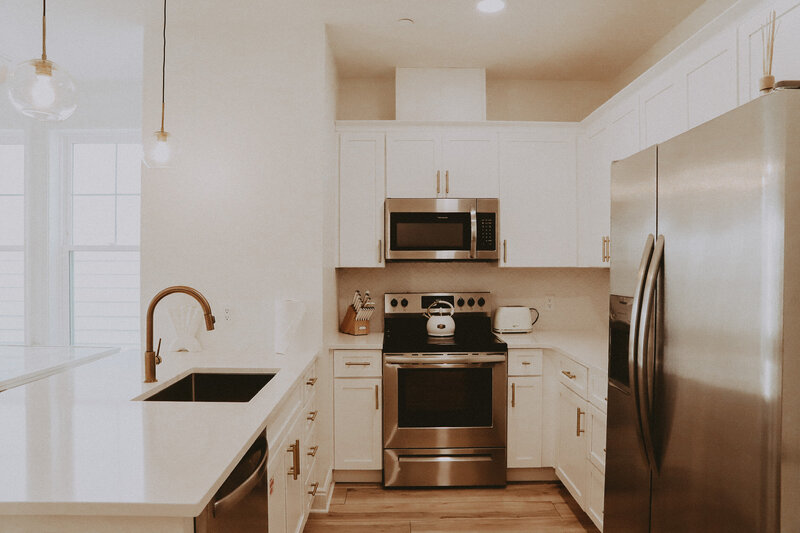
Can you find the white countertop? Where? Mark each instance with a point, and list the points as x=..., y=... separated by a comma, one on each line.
x=75, y=443
x=371, y=341
x=587, y=347
x=23, y=364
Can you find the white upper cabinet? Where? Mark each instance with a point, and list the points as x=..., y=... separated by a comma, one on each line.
x=469, y=163
x=413, y=167
x=361, y=195
x=441, y=163
x=594, y=198
x=538, y=213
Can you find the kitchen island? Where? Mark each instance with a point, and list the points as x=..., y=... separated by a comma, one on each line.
x=79, y=453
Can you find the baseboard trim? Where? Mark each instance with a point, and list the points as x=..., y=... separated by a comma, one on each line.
x=358, y=476
x=531, y=474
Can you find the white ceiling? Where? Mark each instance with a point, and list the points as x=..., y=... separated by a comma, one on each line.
x=530, y=39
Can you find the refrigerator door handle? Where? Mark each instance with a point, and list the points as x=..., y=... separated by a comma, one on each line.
x=644, y=376
x=633, y=344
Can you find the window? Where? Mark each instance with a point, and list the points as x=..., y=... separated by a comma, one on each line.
x=12, y=239
x=102, y=238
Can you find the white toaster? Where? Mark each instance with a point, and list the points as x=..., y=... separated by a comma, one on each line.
x=514, y=319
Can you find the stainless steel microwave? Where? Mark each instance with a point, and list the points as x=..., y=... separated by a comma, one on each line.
x=442, y=229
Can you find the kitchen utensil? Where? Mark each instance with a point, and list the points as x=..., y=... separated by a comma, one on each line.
x=440, y=325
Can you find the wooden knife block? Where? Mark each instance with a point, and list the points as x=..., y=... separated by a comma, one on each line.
x=351, y=326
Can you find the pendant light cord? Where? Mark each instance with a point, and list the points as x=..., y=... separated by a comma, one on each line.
x=44, y=30
x=163, y=64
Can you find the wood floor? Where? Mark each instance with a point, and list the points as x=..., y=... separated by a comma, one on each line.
x=519, y=507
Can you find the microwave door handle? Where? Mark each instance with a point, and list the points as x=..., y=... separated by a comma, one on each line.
x=473, y=226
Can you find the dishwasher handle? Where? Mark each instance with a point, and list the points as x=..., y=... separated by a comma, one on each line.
x=238, y=494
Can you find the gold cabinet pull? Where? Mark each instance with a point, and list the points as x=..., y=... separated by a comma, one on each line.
x=438, y=172
x=505, y=251
x=312, y=415
x=311, y=382
x=513, y=395
x=294, y=449
x=357, y=363
x=380, y=250
x=570, y=375
x=578, y=429
x=447, y=182
x=312, y=451
x=314, y=487
x=525, y=363
x=377, y=402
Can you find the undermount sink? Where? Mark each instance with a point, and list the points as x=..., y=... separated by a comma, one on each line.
x=213, y=387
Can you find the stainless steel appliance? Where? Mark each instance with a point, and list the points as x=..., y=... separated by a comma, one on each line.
x=240, y=504
x=703, y=402
x=444, y=398
x=442, y=229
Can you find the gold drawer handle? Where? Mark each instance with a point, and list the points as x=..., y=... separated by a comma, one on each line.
x=312, y=415
x=312, y=451
x=357, y=363
x=311, y=382
x=314, y=487
x=570, y=375
x=526, y=363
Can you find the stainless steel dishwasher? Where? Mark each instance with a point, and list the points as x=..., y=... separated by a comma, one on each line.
x=240, y=504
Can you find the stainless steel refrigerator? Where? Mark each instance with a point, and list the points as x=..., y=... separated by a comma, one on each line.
x=704, y=349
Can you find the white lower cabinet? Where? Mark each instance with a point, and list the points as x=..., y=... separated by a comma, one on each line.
x=277, y=493
x=290, y=468
x=357, y=424
x=525, y=397
x=594, y=503
x=573, y=443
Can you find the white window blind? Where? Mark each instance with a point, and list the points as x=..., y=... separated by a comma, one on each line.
x=103, y=242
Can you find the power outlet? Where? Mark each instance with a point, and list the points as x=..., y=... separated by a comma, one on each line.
x=226, y=313
x=548, y=302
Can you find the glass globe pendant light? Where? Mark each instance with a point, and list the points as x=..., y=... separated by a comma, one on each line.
x=39, y=88
x=160, y=147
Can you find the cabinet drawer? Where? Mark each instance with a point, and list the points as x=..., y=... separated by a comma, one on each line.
x=524, y=362
x=357, y=363
x=598, y=389
x=597, y=432
x=574, y=375
x=310, y=381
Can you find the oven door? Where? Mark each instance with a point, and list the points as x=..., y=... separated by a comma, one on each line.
x=444, y=401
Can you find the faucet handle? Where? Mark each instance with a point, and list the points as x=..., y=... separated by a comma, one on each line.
x=158, y=351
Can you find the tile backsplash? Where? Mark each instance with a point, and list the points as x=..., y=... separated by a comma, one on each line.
x=580, y=295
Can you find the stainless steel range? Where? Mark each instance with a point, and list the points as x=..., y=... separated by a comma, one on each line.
x=444, y=397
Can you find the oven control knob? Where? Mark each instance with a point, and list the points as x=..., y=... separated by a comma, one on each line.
x=393, y=303
x=404, y=302
x=460, y=302
x=481, y=301
x=471, y=302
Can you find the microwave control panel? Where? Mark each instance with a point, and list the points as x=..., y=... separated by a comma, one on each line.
x=487, y=230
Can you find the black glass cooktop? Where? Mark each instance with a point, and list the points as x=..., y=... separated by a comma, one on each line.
x=408, y=334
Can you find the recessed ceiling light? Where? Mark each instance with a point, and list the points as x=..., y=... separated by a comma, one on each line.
x=405, y=21
x=491, y=6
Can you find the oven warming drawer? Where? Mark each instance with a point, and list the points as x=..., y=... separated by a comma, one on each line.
x=444, y=467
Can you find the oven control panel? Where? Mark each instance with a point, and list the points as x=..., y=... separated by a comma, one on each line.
x=418, y=302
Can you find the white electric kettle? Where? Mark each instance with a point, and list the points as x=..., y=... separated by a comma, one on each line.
x=440, y=325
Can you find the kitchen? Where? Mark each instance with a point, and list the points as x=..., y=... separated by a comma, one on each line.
x=245, y=140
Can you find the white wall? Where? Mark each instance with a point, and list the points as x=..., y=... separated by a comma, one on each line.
x=366, y=99
x=580, y=295
x=239, y=216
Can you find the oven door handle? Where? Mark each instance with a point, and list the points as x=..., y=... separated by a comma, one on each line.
x=459, y=359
